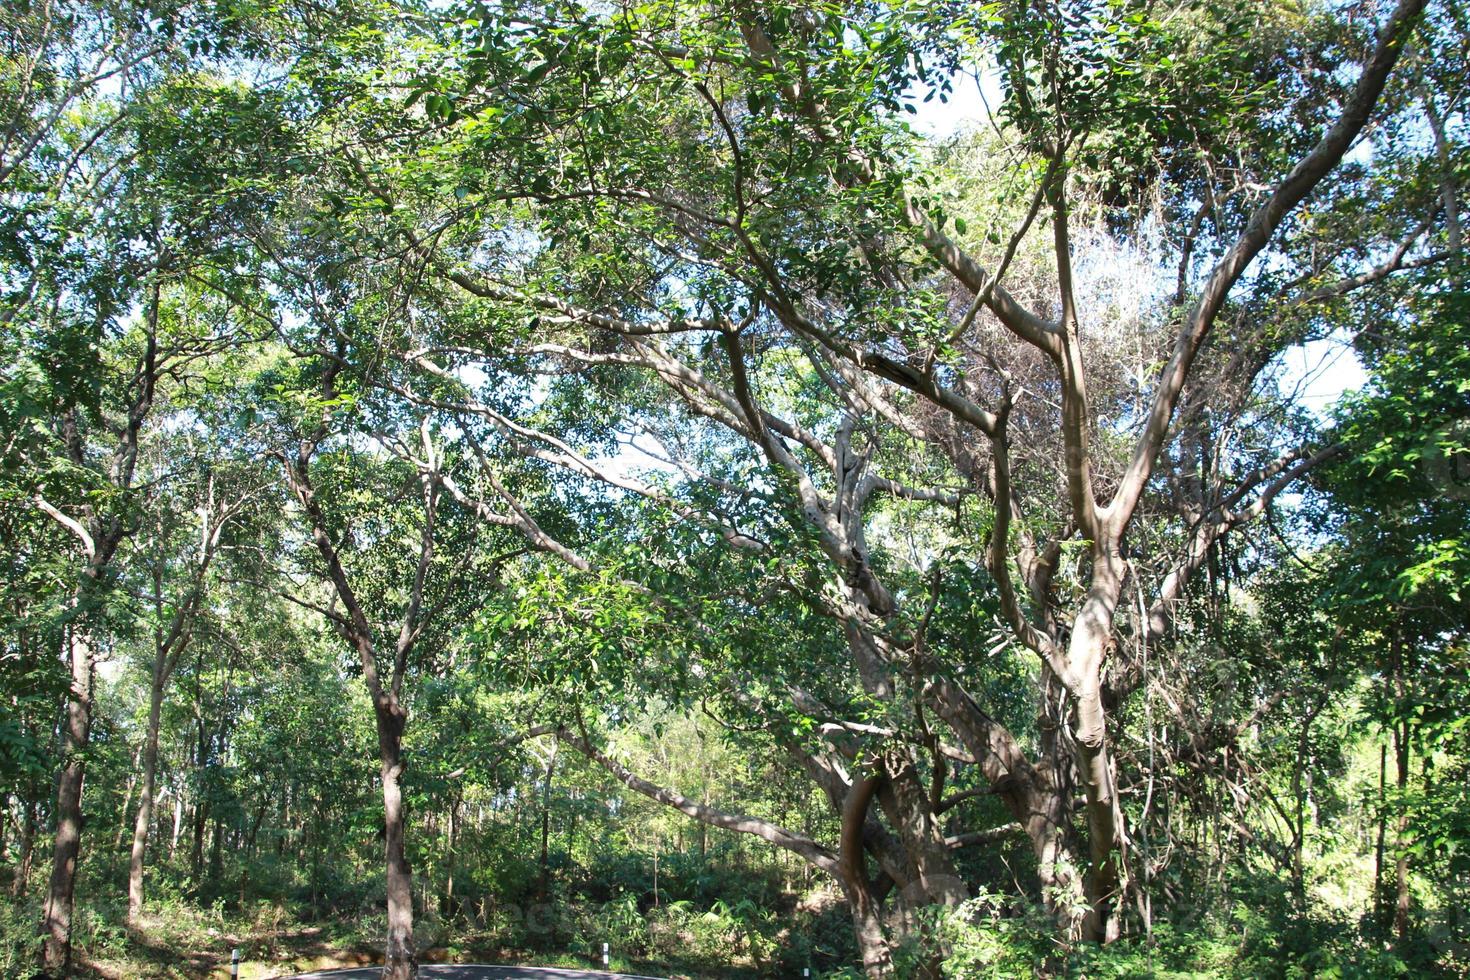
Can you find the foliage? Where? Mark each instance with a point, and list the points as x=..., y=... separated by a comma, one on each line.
x=736, y=524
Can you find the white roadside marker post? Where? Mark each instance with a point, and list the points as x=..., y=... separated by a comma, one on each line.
x=235, y=964
x=604, y=955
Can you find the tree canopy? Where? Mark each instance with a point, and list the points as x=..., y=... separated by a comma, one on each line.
x=934, y=552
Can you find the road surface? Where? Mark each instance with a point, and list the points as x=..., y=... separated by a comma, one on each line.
x=471, y=972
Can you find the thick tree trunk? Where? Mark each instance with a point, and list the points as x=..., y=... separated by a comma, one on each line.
x=867, y=925
x=1090, y=641
x=931, y=878
x=399, y=960
x=1039, y=796
x=1046, y=818
x=866, y=911
x=1101, y=883
x=145, y=799
x=56, y=919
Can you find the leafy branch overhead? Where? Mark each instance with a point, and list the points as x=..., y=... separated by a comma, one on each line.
x=906, y=453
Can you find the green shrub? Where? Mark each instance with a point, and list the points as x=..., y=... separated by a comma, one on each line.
x=18, y=943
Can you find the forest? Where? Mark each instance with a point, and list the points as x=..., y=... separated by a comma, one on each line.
x=848, y=488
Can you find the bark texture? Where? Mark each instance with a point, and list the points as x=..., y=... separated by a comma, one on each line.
x=400, y=961
x=76, y=734
x=145, y=799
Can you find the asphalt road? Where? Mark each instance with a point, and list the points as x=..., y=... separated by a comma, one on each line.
x=472, y=972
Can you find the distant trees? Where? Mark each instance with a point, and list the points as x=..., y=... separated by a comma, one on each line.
x=105, y=220
x=1402, y=497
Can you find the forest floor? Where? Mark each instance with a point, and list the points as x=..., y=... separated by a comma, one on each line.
x=308, y=950
x=273, y=953
x=475, y=971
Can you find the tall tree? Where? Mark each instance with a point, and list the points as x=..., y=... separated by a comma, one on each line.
x=725, y=204
x=400, y=568
x=218, y=493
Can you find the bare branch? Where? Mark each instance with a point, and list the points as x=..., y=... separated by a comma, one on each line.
x=89, y=546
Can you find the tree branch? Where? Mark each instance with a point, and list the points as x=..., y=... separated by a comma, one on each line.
x=1290, y=192
x=804, y=847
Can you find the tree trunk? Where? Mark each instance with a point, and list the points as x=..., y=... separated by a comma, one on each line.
x=571, y=830
x=285, y=822
x=544, y=885
x=56, y=919
x=216, y=839
x=145, y=798
x=201, y=820
x=867, y=925
x=399, y=960
x=173, y=840
x=1301, y=787
x=19, y=884
x=1378, y=900
x=449, y=856
x=255, y=826
x=127, y=800
x=927, y=875
x=1046, y=817
x=1091, y=637
x=1401, y=870
x=201, y=804
x=862, y=904
x=1039, y=797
